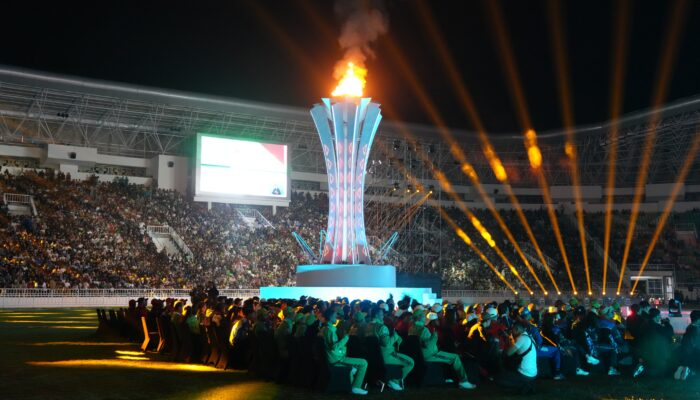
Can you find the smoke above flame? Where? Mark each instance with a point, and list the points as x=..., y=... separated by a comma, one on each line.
x=363, y=23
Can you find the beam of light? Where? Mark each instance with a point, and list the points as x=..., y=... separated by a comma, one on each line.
x=133, y=358
x=127, y=364
x=447, y=188
x=413, y=210
x=680, y=181
x=130, y=353
x=619, y=50
x=111, y=344
x=61, y=316
x=62, y=326
x=508, y=61
x=535, y=157
x=40, y=322
x=468, y=104
x=239, y=390
x=434, y=203
x=468, y=241
x=455, y=148
x=31, y=313
x=533, y=151
x=675, y=22
x=312, y=69
x=558, y=36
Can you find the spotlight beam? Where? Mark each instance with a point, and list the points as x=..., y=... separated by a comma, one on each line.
x=462, y=234
x=675, y=22
x=466, y=239
x=619, y=56
x=455, y=148
x=506, y=53
x=287, y=43
x=535, y=157
x=469, y=106
x=447, y=188
x=555, y=18
x=680, y=180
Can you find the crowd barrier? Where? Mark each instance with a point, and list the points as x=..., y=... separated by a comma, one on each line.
x=41, y=298
x=53, y=298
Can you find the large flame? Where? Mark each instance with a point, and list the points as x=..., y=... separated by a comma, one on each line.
x=352, y=82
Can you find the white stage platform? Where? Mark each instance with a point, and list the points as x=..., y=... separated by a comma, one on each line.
x=346, y=275
x=425, y=295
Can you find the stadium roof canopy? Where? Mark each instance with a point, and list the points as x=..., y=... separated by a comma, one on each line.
x=121, y=119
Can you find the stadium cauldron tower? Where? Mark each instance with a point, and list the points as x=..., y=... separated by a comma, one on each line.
x=347, y=126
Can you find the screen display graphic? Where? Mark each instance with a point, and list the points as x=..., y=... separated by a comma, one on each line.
x=233, y=167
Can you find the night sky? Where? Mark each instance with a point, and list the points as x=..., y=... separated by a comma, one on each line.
x=278, y=52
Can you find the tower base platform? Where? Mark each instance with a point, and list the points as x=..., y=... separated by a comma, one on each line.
x=423, y=295
x=350, y=275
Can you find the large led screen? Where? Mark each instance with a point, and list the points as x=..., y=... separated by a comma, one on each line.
x=230, y=168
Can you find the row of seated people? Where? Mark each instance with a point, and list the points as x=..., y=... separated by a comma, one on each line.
x=346, y=346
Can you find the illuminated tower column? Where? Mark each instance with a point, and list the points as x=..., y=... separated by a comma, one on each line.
x=346, y=127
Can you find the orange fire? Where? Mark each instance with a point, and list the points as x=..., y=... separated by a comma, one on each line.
x=352, y=82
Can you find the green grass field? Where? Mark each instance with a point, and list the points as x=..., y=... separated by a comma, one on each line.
x=54, y=354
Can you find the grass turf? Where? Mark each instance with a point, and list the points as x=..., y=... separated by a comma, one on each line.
x=54, y=354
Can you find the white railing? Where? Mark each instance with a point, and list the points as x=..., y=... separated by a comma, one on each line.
x=64, y=298
x=23, y=199
x=17, y=198
x=252, y=217
x=131, y=293
x=158, y=229
x=174, y=236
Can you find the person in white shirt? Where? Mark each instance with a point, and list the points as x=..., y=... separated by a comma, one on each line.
x=520, y=361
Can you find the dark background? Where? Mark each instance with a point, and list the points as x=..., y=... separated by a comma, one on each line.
x=273, y=51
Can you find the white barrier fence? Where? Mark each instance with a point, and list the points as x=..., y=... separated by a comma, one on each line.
x=58, y=298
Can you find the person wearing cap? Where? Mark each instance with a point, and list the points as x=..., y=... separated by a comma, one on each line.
x=504, y=315
x=428, y=344
x=300, y=324
x=284, y=332
x=583, y=328
x=336, y=350
x=553, y=332
x=176, y=316
x=608, y=331
x=387, y=345
x=690, y=349
x=595, y=306
x=543, y=350
x=487, y=339
x=359, y=324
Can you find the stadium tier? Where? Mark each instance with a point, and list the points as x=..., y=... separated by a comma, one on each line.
x=108, y=171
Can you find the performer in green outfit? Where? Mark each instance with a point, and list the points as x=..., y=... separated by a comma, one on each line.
x=430, y=350
x=336, y=350
x=387, y=345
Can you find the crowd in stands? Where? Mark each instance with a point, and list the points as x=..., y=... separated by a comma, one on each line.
x=89, y=234
x=356, y=345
